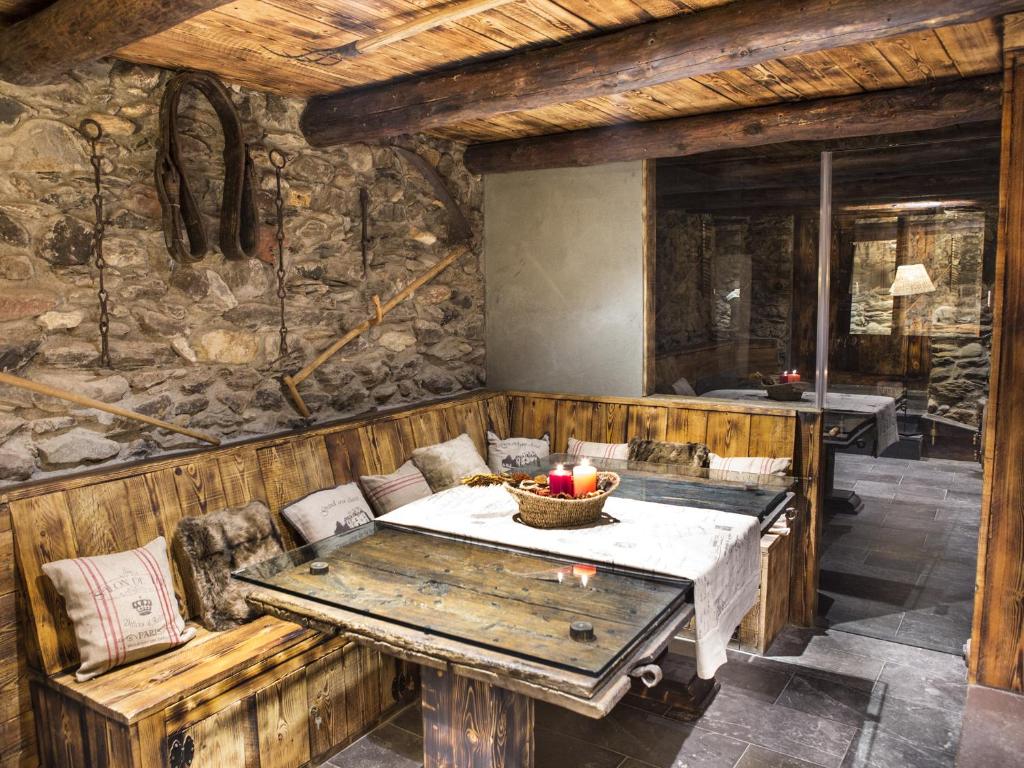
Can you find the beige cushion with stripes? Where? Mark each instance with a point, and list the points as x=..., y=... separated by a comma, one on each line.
x=598, y=450
x=403, y=486
x=122, y=606
x=738, y=468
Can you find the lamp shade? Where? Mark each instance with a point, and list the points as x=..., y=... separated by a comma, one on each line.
x=911, y=279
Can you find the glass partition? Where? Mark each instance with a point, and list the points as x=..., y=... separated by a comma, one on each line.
x=735, y=279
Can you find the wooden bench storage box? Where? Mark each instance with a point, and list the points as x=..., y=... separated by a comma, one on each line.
x=271, y=693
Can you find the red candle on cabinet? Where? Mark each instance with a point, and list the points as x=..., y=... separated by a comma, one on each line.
x=560, y=480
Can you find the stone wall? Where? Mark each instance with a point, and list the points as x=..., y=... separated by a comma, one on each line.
x=199, y=345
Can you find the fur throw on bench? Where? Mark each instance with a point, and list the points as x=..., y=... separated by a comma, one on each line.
x=209, y=547
x=694, y=455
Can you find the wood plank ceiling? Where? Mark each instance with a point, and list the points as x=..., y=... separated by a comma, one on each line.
x=250, y=41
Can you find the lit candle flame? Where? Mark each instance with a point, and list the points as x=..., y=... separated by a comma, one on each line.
x=560, y=467
x=561, y=577
x=584, y=579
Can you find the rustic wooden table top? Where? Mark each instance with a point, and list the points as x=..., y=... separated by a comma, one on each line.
x=503, y=600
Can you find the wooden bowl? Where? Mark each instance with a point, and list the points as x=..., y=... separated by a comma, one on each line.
x=790, y=392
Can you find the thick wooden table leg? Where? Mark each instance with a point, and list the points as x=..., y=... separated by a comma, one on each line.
x=469, y=724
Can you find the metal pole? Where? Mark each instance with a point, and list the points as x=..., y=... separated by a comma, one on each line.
x=824, y=263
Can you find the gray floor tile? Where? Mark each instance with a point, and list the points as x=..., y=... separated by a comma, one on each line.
x=758, y=757
x=910, y=683
x=936, y=727
x=940, y=633
x=385, y=747
x=645, y=736
x=926, y=489
x=992, y=733
x=875, y=748
x=799, y=734
x=558, y=750
x=813, y=652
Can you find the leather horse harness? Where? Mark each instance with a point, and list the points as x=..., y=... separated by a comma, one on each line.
x=184, y=232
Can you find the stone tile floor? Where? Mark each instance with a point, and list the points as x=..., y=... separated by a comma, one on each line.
x=903, y=568
x=817, y=698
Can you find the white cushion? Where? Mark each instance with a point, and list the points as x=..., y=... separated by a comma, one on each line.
x=514, y=452
x=766, y=468
x=122, y=606
x=445, y=464
x=598, y=450
x=403, y=486
x=326, y=513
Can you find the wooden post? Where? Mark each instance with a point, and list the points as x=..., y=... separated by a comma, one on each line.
x=470, y=723
x=997, y=640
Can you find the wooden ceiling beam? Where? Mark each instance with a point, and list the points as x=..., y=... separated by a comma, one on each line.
x=903, y=110
x=740, y=34
x=983, y=185
x=73, y=32
x=766, y=173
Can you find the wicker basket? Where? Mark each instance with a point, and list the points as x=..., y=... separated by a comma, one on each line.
x=545, y=512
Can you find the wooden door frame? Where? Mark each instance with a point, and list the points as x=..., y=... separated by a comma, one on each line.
x=996, y=657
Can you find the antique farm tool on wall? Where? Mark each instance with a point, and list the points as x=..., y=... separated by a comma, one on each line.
x=278, y=160
x=451, y=12
x=99, y=405
x=459, y=230
x=182, y=219
x=93, y=132
x=380, y=310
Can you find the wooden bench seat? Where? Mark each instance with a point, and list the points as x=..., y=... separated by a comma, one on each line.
x=205, y=664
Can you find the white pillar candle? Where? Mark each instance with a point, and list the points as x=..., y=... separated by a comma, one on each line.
x=584, y=478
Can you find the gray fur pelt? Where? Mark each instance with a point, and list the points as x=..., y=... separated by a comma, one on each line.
x=694, y=455
x=209, y=547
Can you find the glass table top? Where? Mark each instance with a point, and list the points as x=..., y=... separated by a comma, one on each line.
x=500, y=598
x=741, y=493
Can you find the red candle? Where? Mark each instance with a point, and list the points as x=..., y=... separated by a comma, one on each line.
x=560, y=481
x=784, y=378
x=794, y=376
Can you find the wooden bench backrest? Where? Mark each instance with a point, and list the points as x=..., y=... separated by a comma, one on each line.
x=726, y=430
x=125, y=507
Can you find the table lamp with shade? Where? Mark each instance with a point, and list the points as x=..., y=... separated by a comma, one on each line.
x=911, y=280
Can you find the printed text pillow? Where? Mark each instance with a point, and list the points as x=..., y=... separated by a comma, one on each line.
x=122, y=606
x=511, y=453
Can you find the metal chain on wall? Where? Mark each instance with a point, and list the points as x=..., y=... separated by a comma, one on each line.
x=278, y=160
x=93, y=132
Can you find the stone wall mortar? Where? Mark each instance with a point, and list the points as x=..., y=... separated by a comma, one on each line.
x=199, y=345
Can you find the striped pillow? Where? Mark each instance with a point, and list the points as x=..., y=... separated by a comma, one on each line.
x=403, y=486
x=122, y=606
x=598, y=450
x=739, y=467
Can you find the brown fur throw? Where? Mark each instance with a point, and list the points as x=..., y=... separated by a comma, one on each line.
x=694, y=455
x=209, y=547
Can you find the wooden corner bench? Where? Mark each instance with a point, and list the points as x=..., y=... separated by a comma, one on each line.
x=271, y=693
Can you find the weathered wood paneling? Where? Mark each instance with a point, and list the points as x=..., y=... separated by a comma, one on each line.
x=997, y=645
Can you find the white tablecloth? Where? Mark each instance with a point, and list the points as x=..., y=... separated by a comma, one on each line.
x=718, y=551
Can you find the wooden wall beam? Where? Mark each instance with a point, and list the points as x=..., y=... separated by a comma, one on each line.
x=997, y=639
x=902, y=110
x=72, y=32
x=741, y=34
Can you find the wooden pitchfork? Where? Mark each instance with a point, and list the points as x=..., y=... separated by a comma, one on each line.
x=292, y=382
